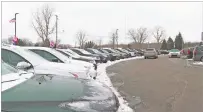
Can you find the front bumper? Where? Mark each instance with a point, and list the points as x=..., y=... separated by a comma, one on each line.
x=174, y=55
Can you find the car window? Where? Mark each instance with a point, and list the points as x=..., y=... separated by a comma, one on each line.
x=84, y=52
x=149, y=49
x=174, y=50
x=7, y=69
x=76, y=51
x=46, y=55
x=91, y=51
x=66, y=54
x=11, y=57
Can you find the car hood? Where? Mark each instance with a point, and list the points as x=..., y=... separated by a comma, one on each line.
x=50, y=93
x=61, y=69
x=78, y=63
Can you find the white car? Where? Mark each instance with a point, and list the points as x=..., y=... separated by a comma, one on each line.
x=31, y=62
x=53, y=55
x=174, y=53
x=79, y=56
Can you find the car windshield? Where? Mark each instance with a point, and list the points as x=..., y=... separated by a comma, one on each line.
x=83, y=51
x=149, y=49
x=7, y=69
x=174, y=50
x=96, y=51
x=59, y=55
x=72, y=52
x=67, y=52
x=104, y=51
x=33, y=58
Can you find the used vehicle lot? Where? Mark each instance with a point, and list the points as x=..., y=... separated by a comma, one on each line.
x=163, y=76
x=166, y=85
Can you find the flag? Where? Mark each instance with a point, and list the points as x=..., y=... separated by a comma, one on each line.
x=15, y=40
x=12, y=20
x=52, y=44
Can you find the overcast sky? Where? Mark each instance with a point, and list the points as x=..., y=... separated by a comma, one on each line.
x=100, y=19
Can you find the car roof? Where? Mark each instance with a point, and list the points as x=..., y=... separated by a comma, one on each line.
x=33, y=58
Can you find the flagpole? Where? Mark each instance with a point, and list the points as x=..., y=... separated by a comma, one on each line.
x=15, y=23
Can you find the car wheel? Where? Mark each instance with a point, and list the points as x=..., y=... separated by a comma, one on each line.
x=145, y=57
x=201, y=59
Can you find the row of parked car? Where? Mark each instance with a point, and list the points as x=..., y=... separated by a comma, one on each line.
x=52, y=80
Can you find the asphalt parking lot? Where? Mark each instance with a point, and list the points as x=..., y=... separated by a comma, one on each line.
x=159, y=85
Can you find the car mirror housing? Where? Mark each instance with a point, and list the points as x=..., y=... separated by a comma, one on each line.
x=23, y=65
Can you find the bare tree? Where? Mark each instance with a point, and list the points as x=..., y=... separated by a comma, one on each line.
x=42, y=23
x=132, y=35
x=159, y=34
x=81, y=38
x=113, y=39
x=100, y=42
x=141, y=35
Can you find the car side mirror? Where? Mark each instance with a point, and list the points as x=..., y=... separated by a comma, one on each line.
x=23, y=65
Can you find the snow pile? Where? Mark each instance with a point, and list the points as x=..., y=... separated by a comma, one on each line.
x=198, y=63
x=102, y=77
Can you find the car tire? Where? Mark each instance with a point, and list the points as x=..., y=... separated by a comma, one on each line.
x=145, y=57
x=201, y=59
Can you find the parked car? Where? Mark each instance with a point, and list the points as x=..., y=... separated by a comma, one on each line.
x=75, y=56
x=126, y=54
x=158, y=52
x=83, y=57
x=122, y=55
x=82, y=52
x=52, y=55
x=25, y=92
x=118, y=56
x=132, y=53
x=112, y=56
x=174, y=53
x=163, y=51
x=150, y=52
x=29, y=61
x=198, y=53
x=104, y=57
x=139, y=52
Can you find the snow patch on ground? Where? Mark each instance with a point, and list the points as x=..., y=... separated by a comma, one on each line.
x=198, y=63
x=102, y=77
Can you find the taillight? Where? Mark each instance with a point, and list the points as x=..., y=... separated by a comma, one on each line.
x=188, y=51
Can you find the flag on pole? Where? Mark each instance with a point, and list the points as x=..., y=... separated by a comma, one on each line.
x=12, y=20
x=52, y=44
x=15, y=40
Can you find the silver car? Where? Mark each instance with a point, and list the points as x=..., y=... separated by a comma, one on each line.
x=198, y=53
x=150, y=52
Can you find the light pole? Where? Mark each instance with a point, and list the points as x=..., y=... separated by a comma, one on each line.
x=117, y=37
x=56, y=30
x=15, y=23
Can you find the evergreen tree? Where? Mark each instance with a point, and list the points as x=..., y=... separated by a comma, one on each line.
x=170, y=43
x=179, y=41
x=90, y=44
x=164, y=45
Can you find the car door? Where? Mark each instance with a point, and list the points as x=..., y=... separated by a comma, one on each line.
x=11, y=57
x=46, y=55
